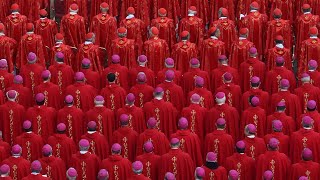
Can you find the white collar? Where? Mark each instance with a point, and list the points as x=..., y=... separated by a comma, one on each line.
x=242, y=38
x=34, y=173
x=88, y=42
x=190, y=14
x=15, y=13
x=253, y=10
x=73, y=13
x=83, y=152
x=2, y=34
x=30, y=33
x=91, y=132
x=223, y=18
x=213, y=37
x=307, y=13
x=130, y=16
x=313, y=37
x=280, y=46
x=251, y=136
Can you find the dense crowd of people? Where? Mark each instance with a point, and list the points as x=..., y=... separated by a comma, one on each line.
x=159, y=89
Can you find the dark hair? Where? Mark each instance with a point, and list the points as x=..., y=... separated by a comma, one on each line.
x=111, y=77
x=240, y=150
x=40, y=103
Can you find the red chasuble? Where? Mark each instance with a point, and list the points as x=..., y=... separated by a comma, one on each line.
x=83, y=9
x=6, y=79
x=315, y=115
x=173, y=93
x=214, y=9
x=233, y=94
x=31, y=145
x=277, y=27
x=31, y=8
x=243, y=164
x=182, y=52
x=177, y=162
x=92, y=78
x=19, y=167
x=239, y=52
x=166, y=29
x=121, y=73
x=98, y=144
x=289, y=125
x=114, y=96
x=244, y=7
x=117, y=166
x=262, y=95
x=24, y=97
x=144, y=92
x=9, y=48
x=51, y=93
x=305, y=168
x=172, y=7
x=220, y=143
x=16, y=25
x=283, y=139
x=126, y=49
x=161, y=75
x=133, y=72
x=217, y=73
x=219, y=174
x=285, y=6
x=2, y=97
x=202, y=9
x=274, y=76
x=158, y=139
x=194, y=25
x=35, y=177
x=310, y=49
x=188, y=79
x=254, y=147
x=12, y=115
x=31, y=74
x=61, y=75
x=142, y=9
x=136, y=30
x=91, y=52
x=206, y=97
x=47, y=29
x=53, y=167
x=274, y=52
x=4, y=7
x=305, y=93
x=87, y=165
x=256, y=116
x=228, y=31
x=136, y=117
x=315, y=77
x=6, y=146
x=68, y=52
x=62, y=146
x=73, y=29
x=3, y=153
x=150, y=163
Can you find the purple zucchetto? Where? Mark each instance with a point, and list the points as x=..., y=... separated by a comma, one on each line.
x=211, y=157
x=79, y=76
x=115, y=59
x=61, y=127
x=273, y=143
x=277, y=125
x=68, y=99
x=116, y=147
x=241, y=145
x=31, y=57
x=84, y=143
x=130, y=98
x=103, y=174
x=148, y=147
x=152, y=122
x=169, y=75
x=183, y=123
x=307, y=154
x=311, y=104
x=233, y=175
x=268, y=175
x=40, y=97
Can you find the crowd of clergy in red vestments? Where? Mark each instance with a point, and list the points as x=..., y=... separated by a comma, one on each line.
x=159, y=89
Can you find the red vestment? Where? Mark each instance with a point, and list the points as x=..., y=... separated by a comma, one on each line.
x=256, y=116
x=8, y=52
x=133, y=72
x=165, y=114
x=195, y=115
x=254, y=146
x=227, y=112
x=143, y=94
x=305, y=93
x=6, y=146
x=91, y=52
x=256, y=23
x=4, y=154
x=35, y=177
x=12, y=116
x=52, y=95
x=104, y=118
x=172, y=7
x=244, y=6
x=293, y=107
x=117, y=166
x=188, y=79
x=263, y=96
x=104, y=27
x=156, y=50
x=304, y=138
x=305, y=168
x=61, y=75
x=98, y=144
x=87, y=165
x=62, y=146
x=142, y=9
x=31, y=145
x=114, y=96
x=177, y=162
x=182, y=52
x=31, y=74
x=173, y=93
x=274, y=76
x=121, y=73
x=233, y=94
x=136, y=117
x=166, y=29
x=221, y=143
x=228, y=31
x=6, y=79
x=215, y=6
x=288, y=124
x=73, y=118
x=314, y=4
x=219, y=173
x=92, y=78
x=83, y=95
x=83, y=7
x=69, y=56
x=201, y=6
x=195, y=26
x=315, y=115
x=19, y=167
x=31, y=43
x=150, y=163
x=190, y=143
x=210, y=50
x=243, y=164
x=24, y=95
x=217, y=76
x=274, y=52
x=53, y=167
x=239, y=52
x=158, y=139
x=127, y=138
x=43, y=120
x=73, y=29
x=278, y=27
x=47, y=29
x=315, y=77
x=126, y=49
x=2, y=97
x=206, y=97
x=31, y=8
x=4, y=7
x=310, y=49
x=16, y=25
x=249, y=68
x=177, y=75
x=283, y=141
x=286, y=7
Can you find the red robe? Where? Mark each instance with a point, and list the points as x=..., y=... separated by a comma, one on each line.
x=9, y=48
x=263, y=96
x=127, y=138
x=104, y=118
x=86, y=165
x=196, y=116
x=4, y=154
x=275, y=161
x=305, y=168
x=150, y=163
x=254, y=146
x=283, y=139
x=190, y=143
x=91, y=52
x=206, y=97
x=256, y=23
x=166, y=29
x=165, y=114
x=202, y=9
x=273, y=78
x=305, y=93
x=156, y=50
x=35, y=177
x=227, y=112
x=83, y=8
x=173, y=93
x=2, y=97
x=221, y=143
x=244, y=6
x=73, y=29
x=182, y=52
x=289, y=125
x=126, y=49
x=274, y=52
x=31, y=74
x=117, y=166
x=121, y=73
x=114, y=96
x=315, y=77
x=228, y=31
x=177, y=162
x=239, y=52
x=24, y=95
x=6, y=146
x=310, y=49
x=301, y=139
x=4, y=7
x=243, y=164
x=31, y=8
x=62, y=146
x=53, y=167
x=19, y=167
x=68, y=52
x=188, y=79
x=142, y=9
x=43, y=120
x=313, y=3
x=233, y=94
x=6, y=79
x=83, y=95
x=249, y=68
x=31, y=145
x=133, y=72
x=195, y=26
x=73, y=118
x=16, y=25
x=47, y=29
x=172, y=7
x=92, y=78
x=214, y=9
x=219, y=174
x=217, y=73
x=210, y=50
x=136, y=117
x=158, y=139
x=293, y=107
x=315, y=115
x=12, y=115
x=286, y=7
x=143, y=94
x=98, y=144
x=53, y=98
x=278, y=27
x=61, y=75
x=177, y=75
x=31, y=43
x=104, y=27
x=256, y=116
